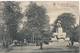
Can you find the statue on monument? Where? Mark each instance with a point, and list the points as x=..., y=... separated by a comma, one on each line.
x=59, y=34
x=59, y=23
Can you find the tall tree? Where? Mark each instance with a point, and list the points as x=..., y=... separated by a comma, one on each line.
x=37, y=22
x=75, y=35
x=11, y=16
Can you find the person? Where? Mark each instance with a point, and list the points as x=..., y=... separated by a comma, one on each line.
x=3, y=45
x=25, y=41
x=41, y=44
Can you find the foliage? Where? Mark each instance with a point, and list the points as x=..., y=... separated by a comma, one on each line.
x=76, y=34
x=37, y=22
x=11, y=16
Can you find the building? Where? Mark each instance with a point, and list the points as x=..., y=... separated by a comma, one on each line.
x=56, y=8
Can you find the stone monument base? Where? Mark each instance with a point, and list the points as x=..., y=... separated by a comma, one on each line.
x=59, y=43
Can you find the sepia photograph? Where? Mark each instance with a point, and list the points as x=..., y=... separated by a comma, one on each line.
x=39, y=27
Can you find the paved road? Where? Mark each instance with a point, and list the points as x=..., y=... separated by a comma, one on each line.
x=46, y=49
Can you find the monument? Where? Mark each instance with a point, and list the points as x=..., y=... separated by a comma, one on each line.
x=59, y=37
x=59, y=34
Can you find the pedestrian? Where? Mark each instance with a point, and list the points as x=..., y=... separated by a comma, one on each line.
x=41, y=44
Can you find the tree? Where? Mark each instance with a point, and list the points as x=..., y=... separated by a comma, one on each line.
x=77, y=33
x=37, y=22
x=75, y=36
x=11, y=17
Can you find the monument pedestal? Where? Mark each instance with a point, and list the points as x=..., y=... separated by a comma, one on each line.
x=61, y=40
x=59, y=43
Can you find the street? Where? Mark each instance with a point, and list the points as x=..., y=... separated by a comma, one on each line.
x=46, y=49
